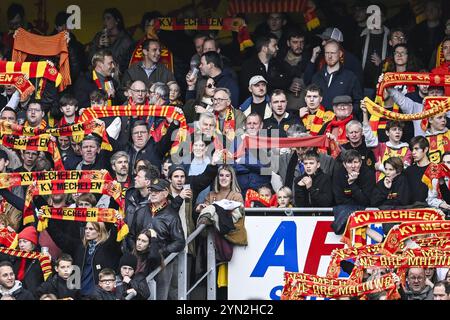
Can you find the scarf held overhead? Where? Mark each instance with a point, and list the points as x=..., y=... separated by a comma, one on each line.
x=77, y=130
x=28, y=43
x=48, y=187
x=17, y=179
x=41, y=69
x=83, y=215
x=269, y=6
x=228, y=24
x=18, y=80
x=36, y=143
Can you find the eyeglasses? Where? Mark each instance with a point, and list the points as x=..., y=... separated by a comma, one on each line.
x=139, y=91
x=400, y=54
x=211, y=85
x=399, y=38
x=413, y=278
x=219, y=100
x=107, y=281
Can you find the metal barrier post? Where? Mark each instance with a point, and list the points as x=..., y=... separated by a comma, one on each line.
x=182, y=274
x=211, y=261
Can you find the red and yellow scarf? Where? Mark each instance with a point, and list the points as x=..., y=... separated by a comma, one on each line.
x=439, y=144
x=267, y=6
x=314, y=122
x=37, y=143
x=340, y=124
x=108, y=85
x=229, y=123
x=8, y=239
x=17, y=79
x=84, y=215
x=229, y=24
x=41, y=69
x=44, y=260
x=253, y=196
x=48, y=187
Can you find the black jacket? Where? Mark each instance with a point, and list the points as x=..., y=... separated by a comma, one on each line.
x=359, y=192
x=276, y=75
x=136, y=72
x=138, y=283
x=106, y=254
x=135, y=209
x=319, y=195
x=397, y=195
x=272, y=123
x=167, y=224
x=101, y=294
x=152, y=151
x=57, y=286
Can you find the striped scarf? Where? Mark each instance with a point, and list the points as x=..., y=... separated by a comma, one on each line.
x=28, y=43
x=44, y=260
x=141, y=110
x=228, y=24
x=84, y=215
x=269, y=6
x=314, y=122
x=229, y=123
x=108, y=85
x=41, y=69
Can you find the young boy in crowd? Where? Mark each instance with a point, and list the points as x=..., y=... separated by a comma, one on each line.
x=106, y=285
x=58, y=283
x=129, y=282
x=382, y=151
x=438, y=137
x=418, y=190
x=313, y=188
x=68, y=105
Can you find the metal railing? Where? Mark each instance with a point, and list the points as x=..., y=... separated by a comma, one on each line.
x=210, y=272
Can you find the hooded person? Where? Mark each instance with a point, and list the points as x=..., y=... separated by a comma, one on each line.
x=128, y=282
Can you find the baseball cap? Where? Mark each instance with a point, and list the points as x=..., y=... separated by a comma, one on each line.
x=342, y=99
x=256, y=79
x=159, y=184
x=332, y=33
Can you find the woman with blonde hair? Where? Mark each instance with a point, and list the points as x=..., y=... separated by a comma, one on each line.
x=94, y=250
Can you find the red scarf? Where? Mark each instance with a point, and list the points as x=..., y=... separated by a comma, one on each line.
x=342, y=135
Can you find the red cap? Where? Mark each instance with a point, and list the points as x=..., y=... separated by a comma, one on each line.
x=30, y=234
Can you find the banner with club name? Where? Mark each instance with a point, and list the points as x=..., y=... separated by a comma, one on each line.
x=228, y=24
x=84, y=215
x=18, y=80
x=42, y=142
x=432, y=107
x=77, y=130
x=298, y=287
x=16, y=179
x=359, y=219
x=406, y=230
x=68, y=186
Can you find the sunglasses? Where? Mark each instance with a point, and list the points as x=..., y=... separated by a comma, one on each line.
x=211, y=85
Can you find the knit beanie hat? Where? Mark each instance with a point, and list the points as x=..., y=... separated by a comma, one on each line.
x=128, y=260
x=30, y=234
